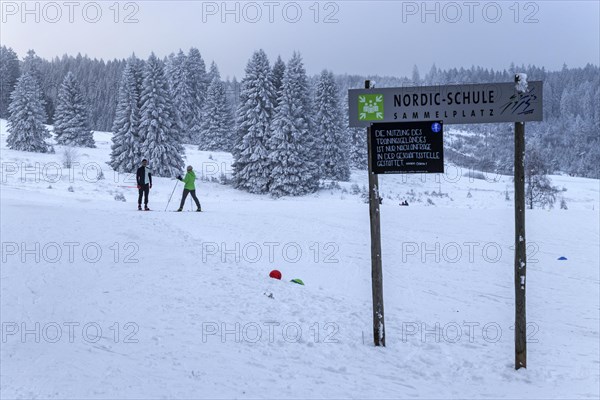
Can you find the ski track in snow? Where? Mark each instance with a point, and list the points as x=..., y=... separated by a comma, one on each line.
x=178, y=285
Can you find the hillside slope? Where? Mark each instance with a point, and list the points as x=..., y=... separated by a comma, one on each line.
x=179, y=305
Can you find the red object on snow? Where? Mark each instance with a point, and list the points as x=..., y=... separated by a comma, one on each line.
x=275, y=274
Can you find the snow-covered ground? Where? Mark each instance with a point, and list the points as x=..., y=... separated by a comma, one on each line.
x=99, y=300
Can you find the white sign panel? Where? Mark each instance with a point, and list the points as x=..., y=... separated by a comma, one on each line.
x=452, y=104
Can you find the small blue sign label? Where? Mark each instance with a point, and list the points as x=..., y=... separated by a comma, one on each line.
x=436, y=127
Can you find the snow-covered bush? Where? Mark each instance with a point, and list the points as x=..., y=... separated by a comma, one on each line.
x=563, y=204
x=70, y=155
x=475, y=175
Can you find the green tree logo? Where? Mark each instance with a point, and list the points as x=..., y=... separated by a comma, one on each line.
x=370, y=107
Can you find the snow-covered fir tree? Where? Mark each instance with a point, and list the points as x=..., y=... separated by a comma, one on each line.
x=358, y=142
x=34, y=65
x=71, y=121
x=9, y=73
x=217, y=125
x=213, y=73
x=26, y=130
x=358, y=148
x=198, y=79
x=126, y=148
x=181, y=92
x=277, y=78
x=233, y=93
x=314, y=141
x=197, y=74
x=158, y=126
x=253, y=117
x=416, y=77
x=329, y=127
x=293, y=170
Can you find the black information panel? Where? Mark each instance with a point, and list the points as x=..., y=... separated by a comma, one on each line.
x=407, y=147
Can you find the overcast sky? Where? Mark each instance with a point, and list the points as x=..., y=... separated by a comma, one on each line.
x=357, y=37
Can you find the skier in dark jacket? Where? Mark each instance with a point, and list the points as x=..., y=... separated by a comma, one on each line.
x=144, y=184
x=189, y=187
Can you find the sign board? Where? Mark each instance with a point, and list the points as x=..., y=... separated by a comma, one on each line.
x=453, y=104
x=407, y=147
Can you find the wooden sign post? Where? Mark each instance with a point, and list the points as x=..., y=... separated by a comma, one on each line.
x=376, y=272
x=391, y=113
x=520, y=244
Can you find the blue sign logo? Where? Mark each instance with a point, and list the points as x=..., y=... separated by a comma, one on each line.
x=436, y=127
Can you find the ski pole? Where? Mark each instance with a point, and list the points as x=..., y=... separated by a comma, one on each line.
x=169, y=202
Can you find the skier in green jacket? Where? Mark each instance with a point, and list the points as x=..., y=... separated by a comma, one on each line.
x=189, y=187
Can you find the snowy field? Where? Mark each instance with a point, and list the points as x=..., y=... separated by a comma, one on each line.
x=101, y=301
